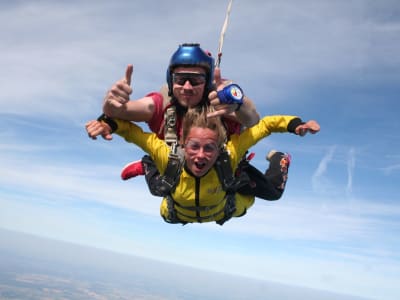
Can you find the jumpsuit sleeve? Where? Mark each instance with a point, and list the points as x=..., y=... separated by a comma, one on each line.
x=239, y=144
x=148, y=142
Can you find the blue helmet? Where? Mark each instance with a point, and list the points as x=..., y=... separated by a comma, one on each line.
x=191, y=55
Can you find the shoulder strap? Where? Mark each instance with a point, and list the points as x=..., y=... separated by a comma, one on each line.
x=175, y=158
x=170, y=135
x=173, y=171
x=230, y=183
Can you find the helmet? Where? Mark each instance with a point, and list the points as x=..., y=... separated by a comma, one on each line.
x=191, y=55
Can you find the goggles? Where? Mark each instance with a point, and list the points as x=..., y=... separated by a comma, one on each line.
x=195, y=79
x=194, y=147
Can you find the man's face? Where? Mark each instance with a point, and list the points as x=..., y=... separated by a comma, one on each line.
x=188, y=84
x=201, y=150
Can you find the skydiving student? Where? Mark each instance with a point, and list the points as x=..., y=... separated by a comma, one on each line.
x=201, y=192
x=190, y=83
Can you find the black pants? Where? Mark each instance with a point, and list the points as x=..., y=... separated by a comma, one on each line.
x=268, y=186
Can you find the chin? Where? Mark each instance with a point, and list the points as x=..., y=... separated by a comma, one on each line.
x=198, y=173
x=189, y=102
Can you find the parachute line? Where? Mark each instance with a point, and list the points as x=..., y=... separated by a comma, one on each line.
x=222, y=35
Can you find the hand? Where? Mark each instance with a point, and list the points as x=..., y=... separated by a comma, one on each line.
x=310, y=126
x=220, y=109
x=119, y=92
x=95, y=128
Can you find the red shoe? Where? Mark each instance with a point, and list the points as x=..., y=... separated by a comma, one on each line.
x=132, y=169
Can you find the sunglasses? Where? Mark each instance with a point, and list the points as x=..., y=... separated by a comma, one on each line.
x=194, y=147
x=194, y=78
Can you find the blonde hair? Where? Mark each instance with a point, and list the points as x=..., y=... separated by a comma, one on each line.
x=197, y=117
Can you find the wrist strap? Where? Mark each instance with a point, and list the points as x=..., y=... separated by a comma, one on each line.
x=110, y=122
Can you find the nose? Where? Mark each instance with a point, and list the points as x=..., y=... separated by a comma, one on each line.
x=201, y=153
x=187, y=85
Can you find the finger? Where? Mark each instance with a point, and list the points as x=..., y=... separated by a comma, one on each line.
x=302, y=131
x=316, y=128
x=116, y=103
x=215, y=102
x=92, y=137
x=312, y=127
x=89, y=123
x=213, y=98
x=128, y=74
x=217, y=76
x=212, y=95
x=119, y=92
x=107, y=136
x=216, y=113
x=90, y=126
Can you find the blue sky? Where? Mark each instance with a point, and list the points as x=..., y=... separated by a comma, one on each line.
x=336, y=62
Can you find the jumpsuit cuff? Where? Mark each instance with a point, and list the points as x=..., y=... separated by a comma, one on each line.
x=293, y=124
x=113, y=125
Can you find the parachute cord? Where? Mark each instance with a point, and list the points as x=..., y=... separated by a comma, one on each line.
x=221, y=37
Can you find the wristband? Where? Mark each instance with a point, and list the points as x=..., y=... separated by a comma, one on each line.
x=113, y=125
x=231, y=94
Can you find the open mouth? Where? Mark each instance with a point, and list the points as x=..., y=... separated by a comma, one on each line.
x=200, y=165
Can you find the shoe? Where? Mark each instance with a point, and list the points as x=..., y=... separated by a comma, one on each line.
x=132, y=169
x=285, y=158
x=270, y=154
x=279, y=161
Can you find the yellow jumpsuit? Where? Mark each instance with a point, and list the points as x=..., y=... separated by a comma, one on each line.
x=203, y=199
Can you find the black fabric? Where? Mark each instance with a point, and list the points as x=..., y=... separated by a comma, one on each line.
x=261, y=185
x=113, y=125
x=152, y=176
x=293, y=125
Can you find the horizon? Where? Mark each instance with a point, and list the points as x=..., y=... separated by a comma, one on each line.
x=73, y=271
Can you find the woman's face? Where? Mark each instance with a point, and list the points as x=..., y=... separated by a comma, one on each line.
x=201, y=150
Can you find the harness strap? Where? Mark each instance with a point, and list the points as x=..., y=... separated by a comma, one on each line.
x=175, y=158
x=172, y=217
x=198, y=208
x=170, y=135
x=173, y=171
x=229, y=209
x=230, y=183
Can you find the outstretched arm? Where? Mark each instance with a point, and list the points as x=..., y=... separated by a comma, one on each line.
x=269, y=125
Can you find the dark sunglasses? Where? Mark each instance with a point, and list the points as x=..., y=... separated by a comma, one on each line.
x=194, y=78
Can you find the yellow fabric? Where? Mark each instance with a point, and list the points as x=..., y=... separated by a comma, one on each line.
x=207, y=190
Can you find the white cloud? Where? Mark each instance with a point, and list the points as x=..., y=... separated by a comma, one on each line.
x=350, y=169
x=318, y=180
x=54, y=64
